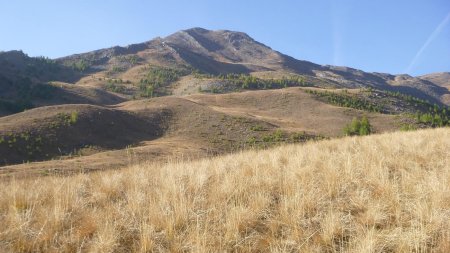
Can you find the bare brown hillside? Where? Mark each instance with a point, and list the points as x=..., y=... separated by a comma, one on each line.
x=160, y=128
x=194, y=93
x=441, y=79
x=53, y=131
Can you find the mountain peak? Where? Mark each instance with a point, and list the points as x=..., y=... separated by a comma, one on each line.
x=223, y=46
x=234, y=38
x=197, y=29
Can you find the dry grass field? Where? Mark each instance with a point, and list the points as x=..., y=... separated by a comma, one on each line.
x=381, y=193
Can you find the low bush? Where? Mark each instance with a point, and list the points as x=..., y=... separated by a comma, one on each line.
x=358, y=127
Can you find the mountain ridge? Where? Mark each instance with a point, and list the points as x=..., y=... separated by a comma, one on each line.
x=225, y=51
x=140, y=46
x=135, y=47
x=193, y=50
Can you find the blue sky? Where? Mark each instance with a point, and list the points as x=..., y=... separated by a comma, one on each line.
x=394, y=36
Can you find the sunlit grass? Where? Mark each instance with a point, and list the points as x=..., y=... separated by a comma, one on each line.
x=381, y=193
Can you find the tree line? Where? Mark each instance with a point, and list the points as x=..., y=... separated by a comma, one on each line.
x=158, y=77
x=346, y=100
x=246, y=81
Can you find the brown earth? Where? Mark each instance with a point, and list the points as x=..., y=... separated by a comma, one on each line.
x=163, y=128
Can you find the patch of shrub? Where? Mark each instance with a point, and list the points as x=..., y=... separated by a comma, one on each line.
x=346, y=100
x=256, y=128
x=158, y=77
x=246, y=81
x=434, y=118
x=297, y=137
x=115, y=87
x=73, y=117
x=81, y=65
x=276, y=136
x=358, y=127
x=407, y=127
x=65, y=119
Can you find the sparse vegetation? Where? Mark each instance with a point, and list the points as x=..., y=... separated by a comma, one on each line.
x=27, y=91
x=245, y=81
x=383, y=193
x=38, y=66
x=436, y=117
x=131, y=59
x=408, y=98
x=73, y=117
x=428, y=114
x=257, y=128
x=346, y=100
x=26, y=143
x=299, y=137
x=158, y=77
x=81, y=65
x=408, y=127
x=115, y=87
x=66, y=119
x=116, y=69
x=358, y=127
x=278, y=137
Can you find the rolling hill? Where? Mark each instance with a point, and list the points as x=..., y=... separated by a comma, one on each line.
x=194, y=93
x=27, y=82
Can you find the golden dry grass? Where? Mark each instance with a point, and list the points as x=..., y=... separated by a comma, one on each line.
x=382, y=193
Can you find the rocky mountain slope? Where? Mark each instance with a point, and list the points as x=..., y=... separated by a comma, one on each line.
x=222, y=52
x=122, y=73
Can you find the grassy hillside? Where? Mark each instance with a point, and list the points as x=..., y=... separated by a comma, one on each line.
x=382, y=193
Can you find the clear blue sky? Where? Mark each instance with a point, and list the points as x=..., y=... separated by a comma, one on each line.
x=394, y=36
